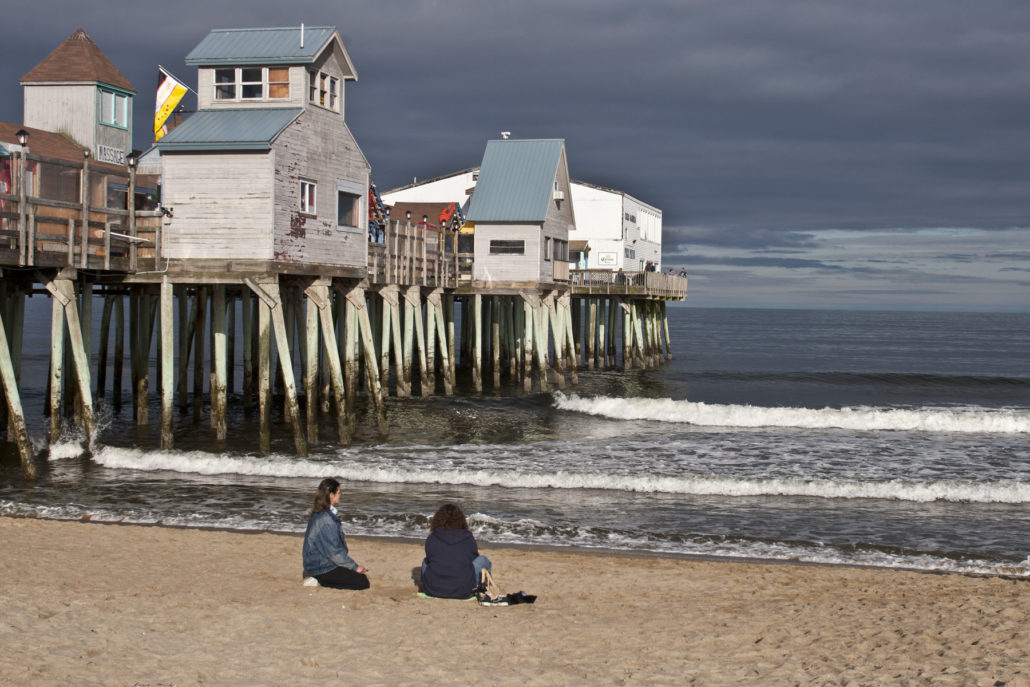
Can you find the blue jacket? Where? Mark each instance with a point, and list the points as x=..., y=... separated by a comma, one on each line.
x=325, y=546
x=449, y=573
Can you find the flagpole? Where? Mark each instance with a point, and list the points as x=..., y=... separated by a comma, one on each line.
x=178, y=79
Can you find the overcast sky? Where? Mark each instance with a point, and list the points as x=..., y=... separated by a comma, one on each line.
x=805, y=153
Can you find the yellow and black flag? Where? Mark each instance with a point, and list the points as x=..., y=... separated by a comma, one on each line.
x=169, y=92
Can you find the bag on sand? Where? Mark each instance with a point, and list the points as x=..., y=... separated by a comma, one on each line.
x=489, y=594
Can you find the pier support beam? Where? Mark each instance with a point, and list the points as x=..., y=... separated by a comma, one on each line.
x=318, y=297
x=63, y=291
x=356, y=299
x=167, y=363
x=17, y=429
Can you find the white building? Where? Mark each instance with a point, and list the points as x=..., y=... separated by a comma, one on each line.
x=613, y=229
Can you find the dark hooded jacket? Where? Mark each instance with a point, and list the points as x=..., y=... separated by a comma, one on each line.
x=449, y=573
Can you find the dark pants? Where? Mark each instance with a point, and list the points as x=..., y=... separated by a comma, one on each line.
x=343, y=578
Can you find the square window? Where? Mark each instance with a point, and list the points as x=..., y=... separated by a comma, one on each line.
x=348, y=209
x=251, y=84
x=225, y=84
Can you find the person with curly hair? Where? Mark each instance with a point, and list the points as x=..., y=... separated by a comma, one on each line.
x=325, y=547
x=452, y=568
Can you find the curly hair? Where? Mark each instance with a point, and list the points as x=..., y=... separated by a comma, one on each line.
x=326, y=487
x=449, y=517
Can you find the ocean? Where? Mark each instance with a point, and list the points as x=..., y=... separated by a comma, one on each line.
x=889, y=439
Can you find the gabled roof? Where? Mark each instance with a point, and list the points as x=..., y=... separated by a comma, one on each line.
x=516, y=180
x=290, y=45
x=77, y=59
x=249, y=129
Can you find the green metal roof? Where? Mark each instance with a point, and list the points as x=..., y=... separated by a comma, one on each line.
x=250, y=129
x=261, y=46
x=516, y=180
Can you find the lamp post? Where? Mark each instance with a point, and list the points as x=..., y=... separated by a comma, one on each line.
x=130, y=205
x=23, y=140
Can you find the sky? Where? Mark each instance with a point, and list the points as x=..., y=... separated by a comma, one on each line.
x=804, y=153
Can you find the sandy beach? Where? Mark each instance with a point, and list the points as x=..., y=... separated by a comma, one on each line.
x=94, y=604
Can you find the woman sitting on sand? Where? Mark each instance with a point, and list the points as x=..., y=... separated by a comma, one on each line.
x=452, y=568
x=325, y=547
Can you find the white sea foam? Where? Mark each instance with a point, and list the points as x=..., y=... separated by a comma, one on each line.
x=967, y=420
x=902, y=490
x=65, y=450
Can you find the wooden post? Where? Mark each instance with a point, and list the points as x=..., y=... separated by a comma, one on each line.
x=230, y=342
x=665, y=326
x=16, y=417
x=431, y=307
x=311, y=367
x=356, y=297
x=559, y=341
x=387, y=302
x=495, y=339
x=565, y=315
x=264, y=374
x=318, y=296
x=56, y=363
x=248, y=348
x=23, y=207
x=84, y=237
x=591, y=332
x=66, y=289
x=528, y=327
x=449, y=317
x=477, y=338
x=119, y=350
x=413, y=299
x=105, y=331
x=167, y=363
x=218, y=362
x=199, y=341
x=446, y=360
x=187, y=329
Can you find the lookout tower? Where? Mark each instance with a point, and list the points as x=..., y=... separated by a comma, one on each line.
x=78, y=92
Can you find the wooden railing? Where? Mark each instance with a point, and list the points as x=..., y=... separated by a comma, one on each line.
x=56, y=215
x=605, y=281
x=417, y=255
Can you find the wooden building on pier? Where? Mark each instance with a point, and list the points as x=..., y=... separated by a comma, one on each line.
x=259, y=261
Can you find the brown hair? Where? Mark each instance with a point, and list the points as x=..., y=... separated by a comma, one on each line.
x=326, y=487
x=449, y=517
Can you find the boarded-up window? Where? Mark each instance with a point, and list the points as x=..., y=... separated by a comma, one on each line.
x=278, y=83
x=507, y=247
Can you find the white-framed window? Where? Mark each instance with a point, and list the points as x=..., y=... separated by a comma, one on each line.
x=308, y=197
x=252, y=83
x=114, y=108
x=547, y=248
x=324, y=90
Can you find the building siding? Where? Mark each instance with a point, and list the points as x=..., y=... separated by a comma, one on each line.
x=318, y=147
x=517, y=268
x=66, y=108
x=221, y=205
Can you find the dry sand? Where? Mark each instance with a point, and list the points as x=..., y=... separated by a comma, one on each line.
x=85, y=604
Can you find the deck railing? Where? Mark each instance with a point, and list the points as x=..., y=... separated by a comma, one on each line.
x=61, y=213
x=606, y=281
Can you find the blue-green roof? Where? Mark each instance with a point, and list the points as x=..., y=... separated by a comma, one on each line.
x=250, y=129
x=516, y=180
x=261, y=46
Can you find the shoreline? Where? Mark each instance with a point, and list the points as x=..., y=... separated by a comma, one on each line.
x=555, y=548
x=168, y=605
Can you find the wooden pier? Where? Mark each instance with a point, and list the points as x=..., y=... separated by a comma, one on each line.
x=405, y=326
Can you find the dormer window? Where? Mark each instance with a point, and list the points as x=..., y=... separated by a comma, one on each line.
x=324, y=90
x=252, y=83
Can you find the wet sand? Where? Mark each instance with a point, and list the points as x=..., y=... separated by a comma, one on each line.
x=93, y=604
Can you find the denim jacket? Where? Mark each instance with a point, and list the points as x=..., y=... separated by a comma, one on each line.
x=325, y=546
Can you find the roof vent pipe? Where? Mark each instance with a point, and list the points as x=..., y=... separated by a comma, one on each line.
x=302, y=36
